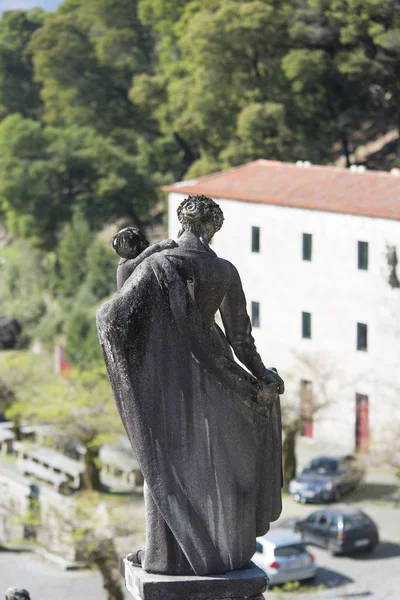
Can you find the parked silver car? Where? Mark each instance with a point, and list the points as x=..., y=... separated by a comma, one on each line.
x=283, y=557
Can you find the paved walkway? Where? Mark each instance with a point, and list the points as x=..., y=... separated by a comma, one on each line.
x=46, y=581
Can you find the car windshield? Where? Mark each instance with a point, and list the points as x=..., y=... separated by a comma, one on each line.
x=356, y=521
x=321, y=466
x=292, y=550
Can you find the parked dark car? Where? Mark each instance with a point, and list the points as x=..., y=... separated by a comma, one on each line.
x=326, y=479
x=342, y=530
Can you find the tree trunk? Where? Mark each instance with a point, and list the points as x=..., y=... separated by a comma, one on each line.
x=17, y=430
x=91, y=476
x=189, y=155
x=346, y=149
x=106, y=560
x=289, y=455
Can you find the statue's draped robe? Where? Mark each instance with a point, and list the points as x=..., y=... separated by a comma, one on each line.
x=206, y=433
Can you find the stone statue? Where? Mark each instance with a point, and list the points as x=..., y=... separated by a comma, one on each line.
x=14, y=593
x=206, y=432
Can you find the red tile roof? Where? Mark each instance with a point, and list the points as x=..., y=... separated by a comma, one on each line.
x=371, y=193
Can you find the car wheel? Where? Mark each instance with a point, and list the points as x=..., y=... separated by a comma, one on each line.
x=337, y=495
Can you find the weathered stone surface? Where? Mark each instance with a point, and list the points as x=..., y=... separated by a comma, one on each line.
x=240, y=585
x=205, y=431
x=15, y=593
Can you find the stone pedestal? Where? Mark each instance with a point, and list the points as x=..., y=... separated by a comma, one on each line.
x=245, y=584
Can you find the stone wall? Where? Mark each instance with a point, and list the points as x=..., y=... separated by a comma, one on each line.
x=32, y=511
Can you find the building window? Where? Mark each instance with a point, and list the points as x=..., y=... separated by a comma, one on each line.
x=363, y=256
x=306, y=325
x=255, y=314
x=255, y=239
x=362, y=337
x=307, y=246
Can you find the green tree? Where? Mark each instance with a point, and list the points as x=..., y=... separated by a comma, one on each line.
x=316, y=75
x=81, y=341
x=101, y=269
x=261, y=131
x=55, y=294
x=86, y=276
x=332, y=71
x=83, y=406
x=232, y=51
x=375, y=28
x=26, y=283
x=85, y=57
x=220, y=57
x=19, y=92
x=80, y=405
x=46, y=172
x=164, y=15
x=71, y=255
x=22, y=375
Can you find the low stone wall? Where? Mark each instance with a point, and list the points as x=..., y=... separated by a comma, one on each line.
x=29, y=511
x=14, y=505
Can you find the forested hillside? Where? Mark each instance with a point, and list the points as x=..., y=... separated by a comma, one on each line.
x=104, y=100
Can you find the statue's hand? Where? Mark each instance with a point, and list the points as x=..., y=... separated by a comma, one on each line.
x=159, y=246
x=166, y=244
x=271, y=378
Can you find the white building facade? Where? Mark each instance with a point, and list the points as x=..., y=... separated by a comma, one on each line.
x=317, y=285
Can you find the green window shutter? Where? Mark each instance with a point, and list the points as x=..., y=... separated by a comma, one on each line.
x=307, y=246
x=255, y=239
x=363, y=256
x=255, y=314
x=362, y=337
x=306, y=325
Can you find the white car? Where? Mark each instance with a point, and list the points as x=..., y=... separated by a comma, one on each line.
x=283, y=557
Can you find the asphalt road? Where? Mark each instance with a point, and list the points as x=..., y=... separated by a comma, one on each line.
x=373, y=575
x=46, y=581
x=376, y=576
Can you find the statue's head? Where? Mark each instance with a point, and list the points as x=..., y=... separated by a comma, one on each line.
x=200, y=215
x=129, y=242
x=14, y=593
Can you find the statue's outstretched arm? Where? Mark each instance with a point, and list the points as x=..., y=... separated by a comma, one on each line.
x=237, y=327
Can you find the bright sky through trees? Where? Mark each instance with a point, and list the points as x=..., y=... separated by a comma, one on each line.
x=28, y=4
